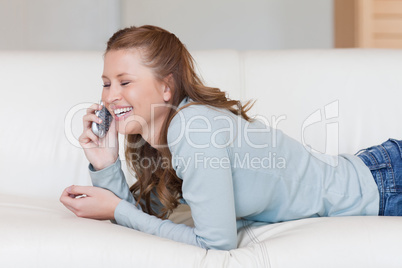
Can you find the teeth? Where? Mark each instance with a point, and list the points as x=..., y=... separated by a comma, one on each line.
x=122, y=110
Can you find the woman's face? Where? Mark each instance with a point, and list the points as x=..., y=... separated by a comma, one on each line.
x=132, y=94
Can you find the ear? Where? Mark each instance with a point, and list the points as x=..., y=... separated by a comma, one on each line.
x=167, y=92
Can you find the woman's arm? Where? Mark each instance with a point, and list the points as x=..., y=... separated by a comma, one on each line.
x=207, y=189
x=102, y=204
x=128, y=215
x=202, y=161
x=112, y=178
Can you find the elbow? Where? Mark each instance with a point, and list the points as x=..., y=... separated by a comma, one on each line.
x=218, y=245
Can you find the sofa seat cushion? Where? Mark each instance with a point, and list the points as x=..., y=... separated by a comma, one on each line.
x=42, y=231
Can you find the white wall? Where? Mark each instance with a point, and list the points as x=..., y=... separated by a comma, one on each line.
x=57, y=24
x=200, y=24
x=238, y=24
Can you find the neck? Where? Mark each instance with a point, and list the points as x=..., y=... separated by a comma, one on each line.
x=154, y=130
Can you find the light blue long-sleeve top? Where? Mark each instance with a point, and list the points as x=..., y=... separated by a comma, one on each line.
x=234, y=170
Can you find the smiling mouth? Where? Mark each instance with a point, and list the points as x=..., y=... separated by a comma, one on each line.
x=122, y=111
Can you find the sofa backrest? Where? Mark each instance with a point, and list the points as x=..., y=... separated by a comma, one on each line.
x=335, y=101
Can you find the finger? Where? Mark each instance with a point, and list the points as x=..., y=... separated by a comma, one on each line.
x=72, y=209
x=70, y=200
x=94, y=107
x=91, y=112
x=79, y=190
x=88, y=119
x=66, y=198
x=65, y=195
x=73, y=205
x=87, y=137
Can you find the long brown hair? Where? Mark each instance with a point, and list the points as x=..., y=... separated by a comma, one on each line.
x=163, y=52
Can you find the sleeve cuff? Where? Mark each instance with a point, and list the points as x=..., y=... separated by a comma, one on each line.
x=98, y=176
x=92, y=169
x=112, y=178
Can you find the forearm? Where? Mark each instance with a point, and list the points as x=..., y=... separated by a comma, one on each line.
x=128, y=215
x=112, y=178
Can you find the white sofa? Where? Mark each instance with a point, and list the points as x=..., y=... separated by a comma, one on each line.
x=336, y=101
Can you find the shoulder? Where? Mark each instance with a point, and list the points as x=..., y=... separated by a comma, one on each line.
x=199, y=122
x=201, y=114
x=195, y=110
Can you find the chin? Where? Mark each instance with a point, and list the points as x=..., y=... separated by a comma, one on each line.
x=127, y=132
x=129, y=129
x=131, y=125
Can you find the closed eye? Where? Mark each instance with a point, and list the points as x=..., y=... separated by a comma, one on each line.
x=122, y=84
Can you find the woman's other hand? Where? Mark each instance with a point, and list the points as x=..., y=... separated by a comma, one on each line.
x=100, y=152
x=98, y=203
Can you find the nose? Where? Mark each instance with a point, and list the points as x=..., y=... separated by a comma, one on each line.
x=111, y=94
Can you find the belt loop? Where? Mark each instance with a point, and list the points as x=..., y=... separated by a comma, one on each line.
x=399, y=144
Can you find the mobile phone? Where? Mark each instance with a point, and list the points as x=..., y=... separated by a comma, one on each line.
x=101, y=129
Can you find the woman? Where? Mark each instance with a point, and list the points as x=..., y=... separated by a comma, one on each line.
x=188, y=143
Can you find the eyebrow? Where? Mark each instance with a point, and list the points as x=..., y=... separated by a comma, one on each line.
x=104, y=76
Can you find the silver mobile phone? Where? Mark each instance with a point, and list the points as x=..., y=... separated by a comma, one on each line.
x=101, y=129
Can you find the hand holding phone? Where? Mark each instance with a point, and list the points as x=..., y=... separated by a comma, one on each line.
x=99, y=151
x=101, y=129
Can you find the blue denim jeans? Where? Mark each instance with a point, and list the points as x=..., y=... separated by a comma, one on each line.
x=385, y=163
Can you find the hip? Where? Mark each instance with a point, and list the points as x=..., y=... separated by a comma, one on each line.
x=385, y=164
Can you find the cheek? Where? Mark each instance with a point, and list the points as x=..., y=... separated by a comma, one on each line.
x=130, y=95
x=104, y=94
x=135, y=98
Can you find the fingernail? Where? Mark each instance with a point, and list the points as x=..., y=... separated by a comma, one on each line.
x=69, y=189
x=99, y=120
